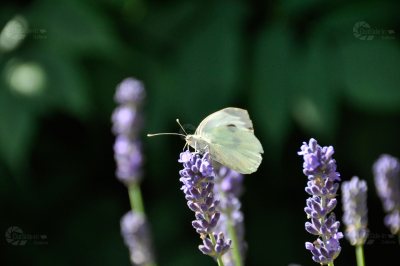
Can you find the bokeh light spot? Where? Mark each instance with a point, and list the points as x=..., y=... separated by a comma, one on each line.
x=306, y=114
x=13, y=33
x=27, y=78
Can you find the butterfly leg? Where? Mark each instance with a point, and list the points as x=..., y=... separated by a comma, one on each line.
x=195, y=147
x=186, y=144
x=206, y=148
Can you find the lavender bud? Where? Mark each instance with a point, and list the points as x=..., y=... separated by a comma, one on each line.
x=130, y=90
x=135, y=231
x=387, y=182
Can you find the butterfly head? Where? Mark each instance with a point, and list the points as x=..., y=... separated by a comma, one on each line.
x=190, y=140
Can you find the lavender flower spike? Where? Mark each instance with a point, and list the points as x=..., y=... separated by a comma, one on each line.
x=387, y=182
x=135, y=231
x=229, y=186
x=127, y=121
x=354, y=198
x=197, y=177
x=320, y=168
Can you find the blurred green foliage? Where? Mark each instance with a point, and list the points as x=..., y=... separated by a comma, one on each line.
x=297, y=66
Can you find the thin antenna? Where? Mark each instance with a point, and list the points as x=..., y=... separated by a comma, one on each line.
x=177, y=121
x=159, y=134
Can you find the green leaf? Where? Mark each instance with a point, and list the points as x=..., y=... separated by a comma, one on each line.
x=66, y=85
x=371, y=74
x=73, y=27
x=202, y=76
x=315, y=105
x=273, y=83
x=69, y=86
x=16, y=131
x=294, y=7
x=164, y=22
x=208, y=62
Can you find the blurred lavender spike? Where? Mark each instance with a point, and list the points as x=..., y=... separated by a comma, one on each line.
x=229, y=187
x=354, y=203
x=320, y=168
x=136, y=234
x=127, y=122
x=387, y=182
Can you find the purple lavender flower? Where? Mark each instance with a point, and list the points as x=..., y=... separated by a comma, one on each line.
x=197, y=177
x=354, y=202
x=135, y=231
x=130, y=90
x=387, y=182
x=127, y=121
x=221, y=245
x=228, y=185
x=320, y=168
x=129, y=158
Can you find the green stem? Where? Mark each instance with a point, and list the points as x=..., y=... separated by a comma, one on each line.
x=219, y=259
x=135, y=197
x=330, y=264
x=237, y=257
x=360, y=255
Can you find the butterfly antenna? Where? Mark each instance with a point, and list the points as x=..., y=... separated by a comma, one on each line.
x=177, y=121
x=186, y=144
x=160, y=134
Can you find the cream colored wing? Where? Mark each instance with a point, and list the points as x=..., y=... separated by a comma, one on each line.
x=225, y=117
x=236, y=148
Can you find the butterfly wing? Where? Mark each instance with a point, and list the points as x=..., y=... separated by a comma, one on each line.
x=237, y=149
x=231, y=139
x=228, y=116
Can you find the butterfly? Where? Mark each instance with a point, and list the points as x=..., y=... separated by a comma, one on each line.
x=228, y=136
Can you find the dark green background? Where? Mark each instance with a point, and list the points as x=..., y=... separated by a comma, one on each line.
x=295, y=65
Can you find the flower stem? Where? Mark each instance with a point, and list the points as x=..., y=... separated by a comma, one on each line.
x=135, y=197
x=360, y=255
x=330, y=264
x=237, y=257
x=219, y=259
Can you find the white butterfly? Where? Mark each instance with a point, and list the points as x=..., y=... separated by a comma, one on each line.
x=228, y=136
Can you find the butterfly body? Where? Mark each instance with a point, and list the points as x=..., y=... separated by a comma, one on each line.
x=228, y=136
x=198, y=142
